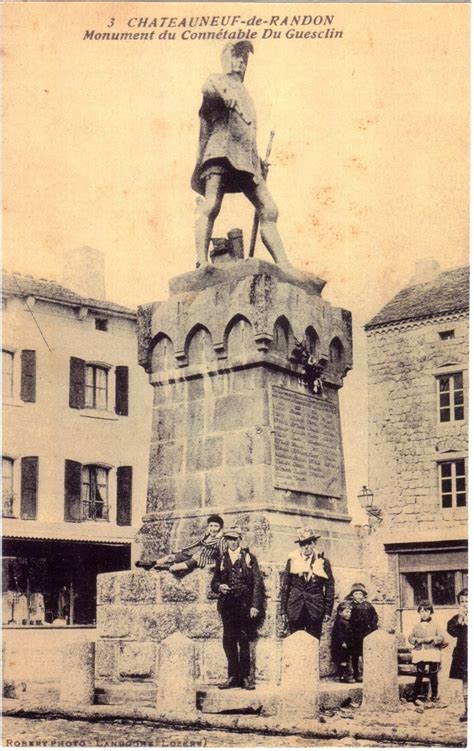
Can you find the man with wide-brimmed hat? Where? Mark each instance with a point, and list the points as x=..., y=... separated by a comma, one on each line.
x=308, y=586
x=238, y=582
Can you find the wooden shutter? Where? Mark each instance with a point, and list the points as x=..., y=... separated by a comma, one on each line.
x=77, y=377
x=28, y=375
x=124, y=496
x=121, y=390
x=29, y=487
x=72, y=491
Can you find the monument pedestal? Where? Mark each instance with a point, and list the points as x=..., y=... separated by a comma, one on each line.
x=240, y=428
x=236, y=428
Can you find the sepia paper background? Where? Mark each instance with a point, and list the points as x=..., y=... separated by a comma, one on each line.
x=369, y=165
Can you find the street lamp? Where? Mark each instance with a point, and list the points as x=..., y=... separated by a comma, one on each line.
x=366, y=500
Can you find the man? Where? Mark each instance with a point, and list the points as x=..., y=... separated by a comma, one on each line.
x=228, y=161
x=308, y=587
x=238, y=582
x=198, y=554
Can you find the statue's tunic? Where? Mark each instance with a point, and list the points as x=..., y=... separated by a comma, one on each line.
x=227, y=139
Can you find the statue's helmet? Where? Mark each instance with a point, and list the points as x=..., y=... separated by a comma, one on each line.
x=234, y=48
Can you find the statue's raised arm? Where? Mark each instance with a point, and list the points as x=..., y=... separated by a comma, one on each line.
x=227, y=160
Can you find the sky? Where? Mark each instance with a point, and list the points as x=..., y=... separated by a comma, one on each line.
x=369, y=165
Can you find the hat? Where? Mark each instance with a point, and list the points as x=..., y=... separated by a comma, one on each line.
x=357, y=587
x=306, y=534
x=233, y=532
x=216, y=519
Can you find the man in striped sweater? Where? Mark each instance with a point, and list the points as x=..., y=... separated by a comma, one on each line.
x=199, y=553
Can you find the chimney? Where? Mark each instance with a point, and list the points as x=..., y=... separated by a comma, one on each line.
x=84, y=272
x=426, y=269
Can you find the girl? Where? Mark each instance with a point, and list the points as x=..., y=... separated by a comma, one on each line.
x=426, y=655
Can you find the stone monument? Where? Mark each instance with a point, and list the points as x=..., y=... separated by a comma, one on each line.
x=246, y=360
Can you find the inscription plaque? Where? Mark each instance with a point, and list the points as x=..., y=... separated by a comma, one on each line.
x=306, y=442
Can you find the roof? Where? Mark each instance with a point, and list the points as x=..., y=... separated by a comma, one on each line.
x=44, y=289
x=93, y=532
x=447, y=293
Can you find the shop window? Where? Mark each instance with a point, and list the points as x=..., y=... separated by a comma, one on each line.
x=439, y=587
x=94, y=493
x=453, y=483
x=450, y=397
x=7, y=374
x=7, y=486
x=54, y=583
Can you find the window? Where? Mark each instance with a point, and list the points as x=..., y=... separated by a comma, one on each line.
x=440, y=587
x=101, y=324
x=27, y=375
x=7, y=374
x=444, y=335
x=453, y=483
x=94, y=493
x=451, y=397
x=96, y=387
x=89, y=385
x=7, y=486
x=86, y=493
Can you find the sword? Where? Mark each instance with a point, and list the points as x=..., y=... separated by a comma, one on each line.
x=265, y=167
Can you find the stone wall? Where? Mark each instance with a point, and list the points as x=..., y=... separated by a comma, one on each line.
x=137, y=610
x=406, y=439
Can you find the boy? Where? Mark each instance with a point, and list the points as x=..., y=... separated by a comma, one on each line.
x=198, y=554
x=342, y=642
x=364, y=620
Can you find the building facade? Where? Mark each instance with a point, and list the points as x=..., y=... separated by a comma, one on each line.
x=76, y=421
x=418, y=445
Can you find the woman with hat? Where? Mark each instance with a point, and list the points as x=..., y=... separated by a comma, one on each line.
x=308, y=586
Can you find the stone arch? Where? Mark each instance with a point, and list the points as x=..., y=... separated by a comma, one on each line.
x=198, y=347
x=282, y=336
x=162, y=353
x=239, y=336
x=311, y=342
x=336, y=351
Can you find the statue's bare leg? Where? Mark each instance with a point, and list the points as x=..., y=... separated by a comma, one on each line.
x=208, y=210
x=267, y=211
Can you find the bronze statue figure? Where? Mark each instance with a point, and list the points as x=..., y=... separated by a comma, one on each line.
x=228, y=161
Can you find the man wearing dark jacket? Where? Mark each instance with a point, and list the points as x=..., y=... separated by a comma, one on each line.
x=308, y=587
x=238, y=582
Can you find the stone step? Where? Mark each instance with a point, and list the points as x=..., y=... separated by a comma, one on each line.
x=212, y=700
x=263, y=701
x=406, y=670
x=142, y=694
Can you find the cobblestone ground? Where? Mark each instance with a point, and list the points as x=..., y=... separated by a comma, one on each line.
x=19, y=732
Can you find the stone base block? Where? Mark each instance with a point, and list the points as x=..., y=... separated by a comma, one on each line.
x=137, y=660
x=139, y=609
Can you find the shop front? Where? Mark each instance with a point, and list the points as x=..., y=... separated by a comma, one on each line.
x=53, y=582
